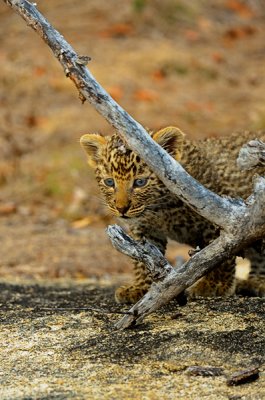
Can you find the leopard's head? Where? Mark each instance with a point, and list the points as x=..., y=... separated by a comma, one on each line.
x=128, y=186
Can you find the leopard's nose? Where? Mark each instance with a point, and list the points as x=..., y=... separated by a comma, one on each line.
x=123, y=209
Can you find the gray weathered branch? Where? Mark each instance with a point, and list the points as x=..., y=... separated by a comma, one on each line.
x=216, y=209
x=251, y=155
x=142, y=251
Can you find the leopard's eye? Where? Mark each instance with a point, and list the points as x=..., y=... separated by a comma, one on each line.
x=109, y=182
x=140, y=182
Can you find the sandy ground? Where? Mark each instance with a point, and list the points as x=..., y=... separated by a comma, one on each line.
x=198, y=65
x=51, y=353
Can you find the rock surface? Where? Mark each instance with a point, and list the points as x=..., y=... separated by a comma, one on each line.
x=54, y=347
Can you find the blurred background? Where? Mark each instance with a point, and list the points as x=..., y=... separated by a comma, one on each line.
x=198, y=65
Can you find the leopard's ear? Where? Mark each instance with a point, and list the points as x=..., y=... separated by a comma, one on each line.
x=92, y=143
x=171, y=139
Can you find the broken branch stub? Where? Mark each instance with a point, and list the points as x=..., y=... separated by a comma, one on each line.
x=142, y=251
x=251, y=155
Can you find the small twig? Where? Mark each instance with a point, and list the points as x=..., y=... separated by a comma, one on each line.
x=98, y=310
x=241, y=377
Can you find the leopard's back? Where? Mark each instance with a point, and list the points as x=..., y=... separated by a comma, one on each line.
x=223, y=152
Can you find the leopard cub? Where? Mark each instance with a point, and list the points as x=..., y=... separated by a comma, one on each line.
x=134, y=194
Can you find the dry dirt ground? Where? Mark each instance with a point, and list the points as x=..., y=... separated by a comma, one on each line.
x=198, y=65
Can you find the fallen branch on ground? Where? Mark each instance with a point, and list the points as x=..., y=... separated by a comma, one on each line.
x=242, y=222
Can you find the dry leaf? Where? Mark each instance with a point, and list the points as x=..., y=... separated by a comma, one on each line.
x=7, y=208
x=116, y=92
x=236, y=33
x=145, y=95
x=218, y=57
x=192, y=36
x=159, y=75
x=39, y=71
x=82, y=223
x=240, y=8
x=118, y=30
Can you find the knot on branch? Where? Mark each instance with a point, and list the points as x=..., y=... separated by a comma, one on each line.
x=251, y=155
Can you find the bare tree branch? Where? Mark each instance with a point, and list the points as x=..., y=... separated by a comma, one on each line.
x=216, y=209
x=142, y=251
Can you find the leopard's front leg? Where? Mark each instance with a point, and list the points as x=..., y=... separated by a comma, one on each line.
x=132, y=292
x=135, y=290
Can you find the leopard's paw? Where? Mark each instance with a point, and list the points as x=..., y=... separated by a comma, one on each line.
x=130, y=294
x=253, y=286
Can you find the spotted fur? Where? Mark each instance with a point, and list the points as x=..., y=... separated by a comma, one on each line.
x=133, y=193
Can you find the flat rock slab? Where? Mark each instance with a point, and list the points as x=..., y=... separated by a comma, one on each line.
x=54, y=347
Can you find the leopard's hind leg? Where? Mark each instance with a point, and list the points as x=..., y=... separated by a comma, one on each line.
x=255, y=284
x=218, y=282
